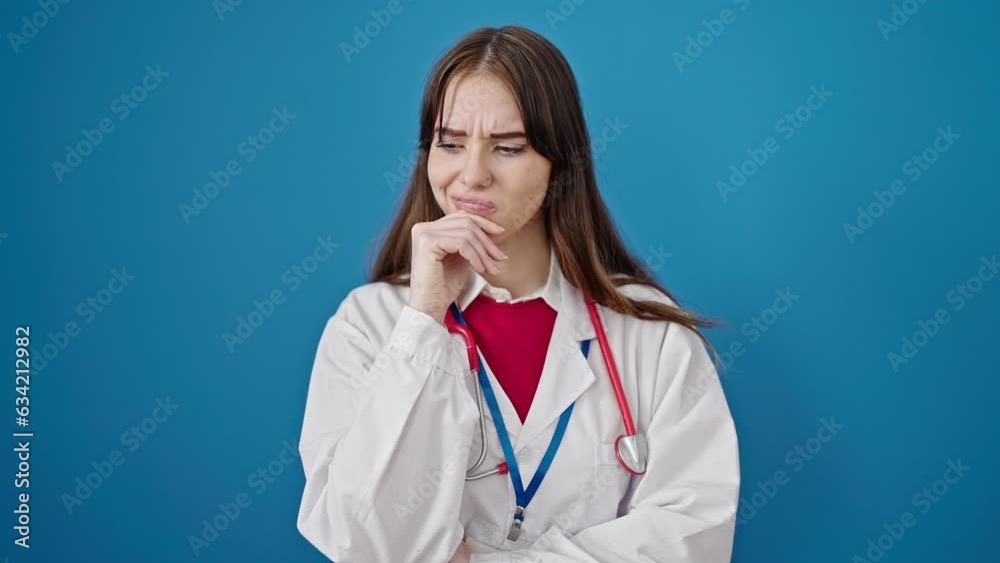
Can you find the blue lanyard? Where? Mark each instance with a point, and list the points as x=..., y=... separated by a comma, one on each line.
x=522, y=495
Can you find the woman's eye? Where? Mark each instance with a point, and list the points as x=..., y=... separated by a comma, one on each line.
x=511, y=150
x=505, y=150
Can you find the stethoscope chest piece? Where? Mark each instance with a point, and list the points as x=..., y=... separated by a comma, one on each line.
x=632, y=452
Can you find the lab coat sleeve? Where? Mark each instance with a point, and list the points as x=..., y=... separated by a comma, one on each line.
x=384, y=441
x=683, y=509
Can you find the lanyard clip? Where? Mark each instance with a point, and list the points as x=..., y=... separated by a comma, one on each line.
x=515, y=530
x=515, y=525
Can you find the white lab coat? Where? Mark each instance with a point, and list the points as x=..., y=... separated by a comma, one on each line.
x=391, y=424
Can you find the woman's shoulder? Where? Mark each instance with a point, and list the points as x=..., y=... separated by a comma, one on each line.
x=657, y=328
x=642, y=292
x=367, y=313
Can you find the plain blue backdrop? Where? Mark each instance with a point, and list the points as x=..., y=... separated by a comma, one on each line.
x=694, y=95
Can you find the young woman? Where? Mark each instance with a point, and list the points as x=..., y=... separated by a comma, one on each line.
x=503, y=231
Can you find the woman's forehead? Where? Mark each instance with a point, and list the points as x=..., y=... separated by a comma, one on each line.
x=482, y=100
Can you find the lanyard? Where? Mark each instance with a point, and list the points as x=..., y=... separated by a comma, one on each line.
x=522, y=495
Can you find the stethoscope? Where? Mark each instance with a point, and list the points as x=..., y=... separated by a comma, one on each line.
x=630, y=448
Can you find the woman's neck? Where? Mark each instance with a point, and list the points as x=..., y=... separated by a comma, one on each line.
x=527, y=267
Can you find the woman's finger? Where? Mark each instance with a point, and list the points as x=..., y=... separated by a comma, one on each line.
x=470, y=238
x=473, y=255
x=469, y=222
x=483, y=222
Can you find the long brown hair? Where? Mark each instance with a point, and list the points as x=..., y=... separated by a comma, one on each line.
x=590, y=252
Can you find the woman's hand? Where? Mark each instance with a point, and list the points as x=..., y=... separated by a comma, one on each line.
x=442, y=252
x=462, y=554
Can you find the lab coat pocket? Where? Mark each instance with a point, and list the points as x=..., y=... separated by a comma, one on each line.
x=607, y=487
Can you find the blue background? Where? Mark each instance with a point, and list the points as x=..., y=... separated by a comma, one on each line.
x=325, y=175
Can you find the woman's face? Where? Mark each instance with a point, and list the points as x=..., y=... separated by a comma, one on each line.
x=484, y=157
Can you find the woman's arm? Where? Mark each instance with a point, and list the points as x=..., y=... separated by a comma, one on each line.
x=385, y=442
x=683, y=509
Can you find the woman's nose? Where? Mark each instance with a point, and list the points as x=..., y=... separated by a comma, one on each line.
x=475, y=169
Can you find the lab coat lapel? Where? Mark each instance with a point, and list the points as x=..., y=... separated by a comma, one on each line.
x=566, y=373
x=511, y=419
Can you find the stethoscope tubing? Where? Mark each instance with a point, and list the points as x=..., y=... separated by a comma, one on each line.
x=470, y=344
x=616, y=381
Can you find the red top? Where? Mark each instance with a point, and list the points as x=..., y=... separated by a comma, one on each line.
x=513, y=338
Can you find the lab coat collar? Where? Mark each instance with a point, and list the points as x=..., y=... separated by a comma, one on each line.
x=566, y=374
x=476, y=284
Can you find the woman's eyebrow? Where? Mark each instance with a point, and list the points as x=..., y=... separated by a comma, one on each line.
x=504, y=135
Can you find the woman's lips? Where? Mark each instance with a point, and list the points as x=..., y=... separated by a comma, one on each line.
x=479, y=207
